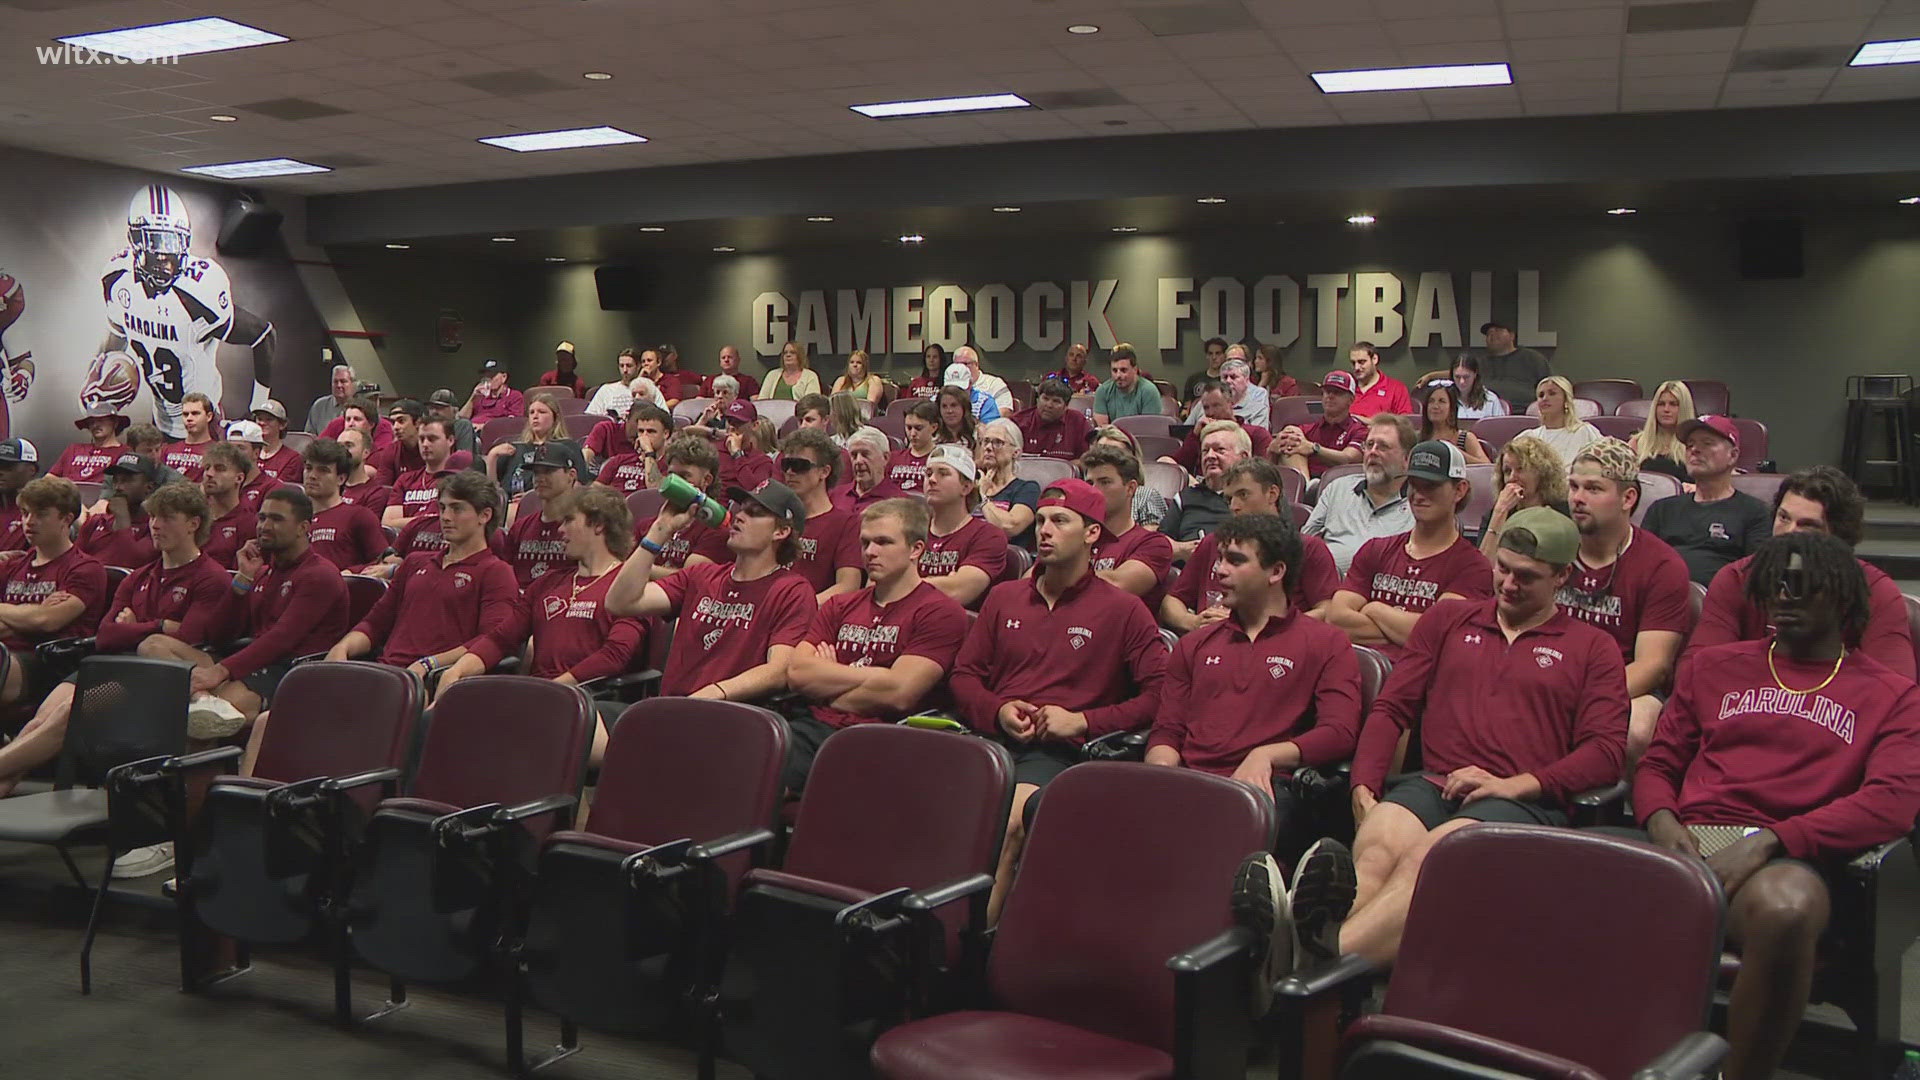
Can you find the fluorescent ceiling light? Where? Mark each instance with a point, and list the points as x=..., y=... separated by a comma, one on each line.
x=653, y=228
x=1622, y=211
x=1006, y=209
x=1126, y=228
x=399, y=247
x=819, y=218
x=1361, y=219
x=1210, y=200
x=913, y=238
x=555, y=258
x=1874, y=53
x=887, y=110
x=1910, y=200
x=186, y=38
x=723, y=249
x=1439, y=77
x=248, y=170
x=505, y=239
x=571, y=138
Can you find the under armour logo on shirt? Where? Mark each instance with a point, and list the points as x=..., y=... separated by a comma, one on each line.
x=1013, y=624
x=1213, y=660
x=1471, y=639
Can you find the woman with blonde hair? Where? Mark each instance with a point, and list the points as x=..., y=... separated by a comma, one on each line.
x=1528, y=472
x=1560, y=426
x=507, y=461
x=1005, y=499
x=859, y=380
x=844, y=417
x=1659, y=437
x=794, y=380
x=1149, y=506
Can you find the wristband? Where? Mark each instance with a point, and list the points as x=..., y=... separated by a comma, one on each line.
x=652, y=548
x=242, y=586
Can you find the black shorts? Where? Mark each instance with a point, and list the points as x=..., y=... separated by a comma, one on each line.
x=36, y=679
x=265, y=681
x=1422, y=796
x=1039, y=763
x=804, y=736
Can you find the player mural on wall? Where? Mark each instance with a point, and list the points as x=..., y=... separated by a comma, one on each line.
x=167, y=313
x=17, y=357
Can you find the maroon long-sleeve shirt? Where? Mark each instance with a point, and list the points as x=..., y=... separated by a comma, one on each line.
x=1226, y=694
x=1553, y=702
x=430, y=608
x=193, y=594
x=293, y=610
x=1728, y=616
x=1832, y=772
x=1096, y=651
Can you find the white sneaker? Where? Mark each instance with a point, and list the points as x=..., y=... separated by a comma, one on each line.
x=143, y=861
x=210, y=718
x=1319, y=900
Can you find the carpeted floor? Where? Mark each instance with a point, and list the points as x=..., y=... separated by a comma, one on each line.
x=277, y=1020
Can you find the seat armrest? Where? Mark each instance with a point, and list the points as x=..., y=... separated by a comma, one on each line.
x=727, y=845
x=1117, y=746
x=1867, y=864
x=1305, y=986
x=609, y=686
x=135, y=774
x=1696, y=1056
x=1599, y=806
x=926, y=901
x=215, y=756
x=340, y=784
x=550, y=804
x=1214, y=951
x=1212, y=1026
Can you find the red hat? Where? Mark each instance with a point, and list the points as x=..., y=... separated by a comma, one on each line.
x=1339, y=380
x=741, y=411
x=1719, y=425
x=1078, y=496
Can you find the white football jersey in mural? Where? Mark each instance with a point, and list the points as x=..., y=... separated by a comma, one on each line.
x=174, y=333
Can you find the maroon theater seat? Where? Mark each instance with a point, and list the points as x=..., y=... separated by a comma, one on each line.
x=1144, y=424
x=1607, y=393
x=1041, y=470
x=1618, y=427
x=1710, y=396
x=1653, y=488
x=1495, y=432
x=1762, y=486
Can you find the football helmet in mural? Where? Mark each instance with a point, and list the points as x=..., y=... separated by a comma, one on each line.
x=113, y=380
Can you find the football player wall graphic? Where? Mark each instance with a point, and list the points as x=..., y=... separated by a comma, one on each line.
x=168, y=311
x=18, y=358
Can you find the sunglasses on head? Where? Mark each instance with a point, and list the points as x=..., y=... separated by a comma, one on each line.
x=798, y=464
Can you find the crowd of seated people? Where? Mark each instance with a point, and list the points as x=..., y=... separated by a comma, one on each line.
x=857, y=577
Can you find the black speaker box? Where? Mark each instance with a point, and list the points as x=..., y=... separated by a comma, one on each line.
x=623, y=288
x=1772, y=249
x=249, y=229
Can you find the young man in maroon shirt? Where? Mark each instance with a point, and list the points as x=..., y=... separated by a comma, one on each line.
x=86, y=462
x=695, y=543
x=1394, y=580
x=565, y=371
x=1821, y=499
x=196, y=414
x=676, y=385
x=1216, y=405
x=346, y=535
x=633, y=462
x=1519, y=708
x=907, y=466
x=55, y=590
x=1128, y=555
x=1050, y=428
x=121, y=536
x=223, y=467
x=1375, y=390
x=965, y=554
x=874, y=655
x=415, y=492
x=403, y=455
x=536, y=543
x=442, y=606
x=360, y=486
x=1196, y=598
x=869, y=450
x=1811, y=748
x=276, y=458
x=19, y=464
x=360, y=414
x=576, y=638
x=1626, y=581
x=1336, y=438
x=245, y=437
x=739, y=622
x=1057, y=658
x=828, y=556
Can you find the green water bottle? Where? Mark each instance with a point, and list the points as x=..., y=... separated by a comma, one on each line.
x=1909, y=1068
x=680, y=495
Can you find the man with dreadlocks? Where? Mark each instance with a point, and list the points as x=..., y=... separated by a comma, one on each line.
x=1777, y=760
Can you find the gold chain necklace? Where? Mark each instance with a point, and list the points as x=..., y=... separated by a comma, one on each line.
x=1771, y=670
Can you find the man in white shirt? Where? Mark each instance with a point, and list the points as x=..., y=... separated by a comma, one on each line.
x=613, y=398
x=1251, y=404
x=992, y=385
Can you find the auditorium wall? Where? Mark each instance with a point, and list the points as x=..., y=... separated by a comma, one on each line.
x=61, y=220
x=1648, y=297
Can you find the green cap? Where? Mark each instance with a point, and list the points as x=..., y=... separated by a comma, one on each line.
x=1542, y=533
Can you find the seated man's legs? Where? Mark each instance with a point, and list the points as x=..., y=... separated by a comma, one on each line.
x=804, y=736
x=1643, y=718
x=1034, y=766
x=1296, y=462
x=40, y=741
x=25, y=678
x=163, y=647
x=1776, y=920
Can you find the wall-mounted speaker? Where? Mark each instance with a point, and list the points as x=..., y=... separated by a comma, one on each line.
x=249, y=229
x=623, y=288
x=1772, y=249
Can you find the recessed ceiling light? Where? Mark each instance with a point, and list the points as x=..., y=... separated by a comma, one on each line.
x=1874, y=53
x=597, y=76
x=1437, y=77
x=1622, y=211
x=820, y=218
x=1006, y=209
x=569, y=139
x=223, y=118
x=1083, y=28
x=189, y=37
x=1210, y=200
x=248, y=170
x=887, y=110
x=1361, y=219
x=653, y=228
x=555, y=258
x=913, y=238
x=723, y=249
x=505, y=239
x=1126, y=228
x=1911, y=200
x=399, y=247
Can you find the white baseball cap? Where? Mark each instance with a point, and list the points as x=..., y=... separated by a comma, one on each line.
x=246, y=431
x=957, y=456
x=958, y=375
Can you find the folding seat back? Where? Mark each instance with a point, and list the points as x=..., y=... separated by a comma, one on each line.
x=1762, y=486
x=1145, y=424
x=1497, y=431
x=1167, y=479
x=1617, y=427
x=1298, y=411
x=1374, y=669
x=1041, y=470
x=503, y=739
x=1710, y=396
x=1608, y=953
x=362, y=593
x=1609, y=393
x=1129, y=865
x=1480, y=499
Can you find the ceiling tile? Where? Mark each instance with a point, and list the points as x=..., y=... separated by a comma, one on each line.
x=1444, y=31
x=1710, y=63
x=1788, y=11
x=1574, y=22
x=1682, y=41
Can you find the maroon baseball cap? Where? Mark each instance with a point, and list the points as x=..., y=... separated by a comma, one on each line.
x=1078, y=496
x=1339, y=380
x=741, y=411
x=1719, y=425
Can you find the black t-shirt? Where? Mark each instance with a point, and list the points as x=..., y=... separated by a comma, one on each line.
x=1710, y=535
x=1199, y=511
x=1514, y=376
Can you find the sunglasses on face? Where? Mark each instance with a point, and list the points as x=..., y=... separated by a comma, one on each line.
x=797, y=465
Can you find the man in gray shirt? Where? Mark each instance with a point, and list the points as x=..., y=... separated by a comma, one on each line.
x=1353, y=510
x=1509, y=371
x=326, y=408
